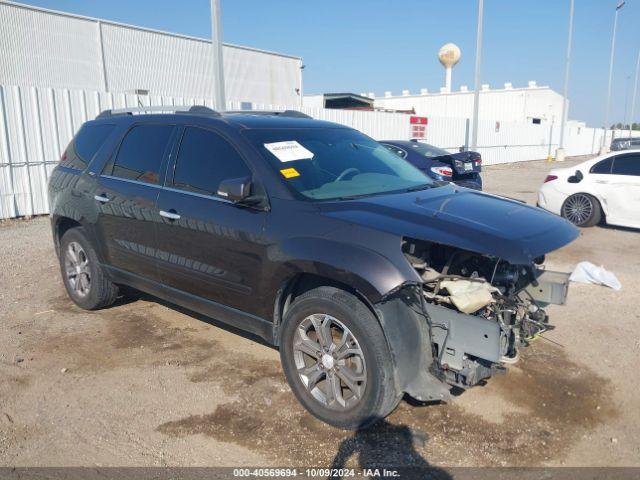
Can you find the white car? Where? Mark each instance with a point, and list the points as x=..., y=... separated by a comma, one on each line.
x=603, y=188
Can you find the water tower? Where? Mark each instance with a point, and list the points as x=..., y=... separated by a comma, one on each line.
x=448, y=55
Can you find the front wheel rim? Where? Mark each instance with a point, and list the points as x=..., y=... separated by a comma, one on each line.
x=578, y=209
x=329, y=362
x=76, y=266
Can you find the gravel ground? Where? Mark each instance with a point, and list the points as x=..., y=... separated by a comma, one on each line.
x=144, y=383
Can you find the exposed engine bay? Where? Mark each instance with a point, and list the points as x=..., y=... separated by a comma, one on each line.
x=482, y=310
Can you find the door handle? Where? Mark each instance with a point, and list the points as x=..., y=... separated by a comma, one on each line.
x=171, y=214
x=603, y=182
x=101, y=198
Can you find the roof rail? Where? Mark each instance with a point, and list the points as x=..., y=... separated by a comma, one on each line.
x=279, y=113
x=295, y=114
x=192, y=109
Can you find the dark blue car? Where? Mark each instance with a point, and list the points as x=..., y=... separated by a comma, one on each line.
x=460, y=168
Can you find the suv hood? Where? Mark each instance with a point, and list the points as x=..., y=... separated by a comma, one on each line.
x=462, y=218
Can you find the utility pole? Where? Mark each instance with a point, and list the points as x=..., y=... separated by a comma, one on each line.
x=476, y=93
x=633, y=97
x=619, y=5
x=626, y=100
x=565, y=111
x=216, y=47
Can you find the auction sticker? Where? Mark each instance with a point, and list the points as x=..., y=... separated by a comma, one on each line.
x=289, y=173
x=289, y=151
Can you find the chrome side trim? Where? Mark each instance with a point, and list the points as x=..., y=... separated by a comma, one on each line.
x=128, y=180
x=169, y=189
x=201, y=195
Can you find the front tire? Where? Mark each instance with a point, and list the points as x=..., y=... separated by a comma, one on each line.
x=336, y=359
x=582, y=209
x=82, y=275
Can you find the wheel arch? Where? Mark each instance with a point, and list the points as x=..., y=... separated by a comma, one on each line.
x=60, y=225
x=301, y=282
x=592, y=193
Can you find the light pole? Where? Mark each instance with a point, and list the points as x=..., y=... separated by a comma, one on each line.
x=633, y=97
x=216, y=47
x=619, y=5
x=565, y=94
x=476, y=93
x=626, y=100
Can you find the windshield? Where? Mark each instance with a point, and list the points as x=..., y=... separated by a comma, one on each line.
x=427, y=150
x=332, y=163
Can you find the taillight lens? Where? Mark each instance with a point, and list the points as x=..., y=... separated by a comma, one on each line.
x=550, y=178
x=444, y=171
x=479, y=160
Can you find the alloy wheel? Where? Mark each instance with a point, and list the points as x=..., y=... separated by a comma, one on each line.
x=76, y=265
x=329, y=361
x=578, y=209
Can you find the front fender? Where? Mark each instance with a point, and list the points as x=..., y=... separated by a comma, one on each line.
x=370, y=273
x=408, y=332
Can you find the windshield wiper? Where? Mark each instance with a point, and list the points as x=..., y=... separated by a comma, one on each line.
x=420, y=187
x=354, y=197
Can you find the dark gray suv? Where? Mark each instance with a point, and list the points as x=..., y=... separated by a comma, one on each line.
x=371, y=279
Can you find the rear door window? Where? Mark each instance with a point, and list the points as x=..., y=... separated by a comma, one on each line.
x=604, y=166
x=85, y=145
x=141, y=153
x=627, y=165
x=204, y=160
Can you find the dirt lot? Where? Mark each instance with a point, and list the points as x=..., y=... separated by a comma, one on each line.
x=145, y=383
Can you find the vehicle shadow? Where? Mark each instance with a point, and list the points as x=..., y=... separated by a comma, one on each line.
x=384, y=447
x=618, y=227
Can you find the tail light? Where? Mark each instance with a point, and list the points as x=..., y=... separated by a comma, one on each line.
x=479, y=160
x=550, y=178
x=444, y=171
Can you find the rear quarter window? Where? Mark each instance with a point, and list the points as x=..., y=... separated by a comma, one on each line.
x=85, y=145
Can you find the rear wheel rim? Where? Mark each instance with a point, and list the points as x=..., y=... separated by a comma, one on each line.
x=329, y=362
x=578, y=209
x=76, y=266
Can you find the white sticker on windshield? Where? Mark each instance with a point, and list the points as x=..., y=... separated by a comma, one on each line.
x=289, y=151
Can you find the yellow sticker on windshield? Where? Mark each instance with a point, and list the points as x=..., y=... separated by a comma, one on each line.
x=289, y=173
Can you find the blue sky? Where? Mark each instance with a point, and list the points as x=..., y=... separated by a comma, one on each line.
x=378, y=45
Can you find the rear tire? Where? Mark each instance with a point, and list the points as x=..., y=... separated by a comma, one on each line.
x=582, y=209
x=343, y=375
x=82, y=274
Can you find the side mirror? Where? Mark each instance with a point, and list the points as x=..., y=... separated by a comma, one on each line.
x=235, y=189
x=576, y=177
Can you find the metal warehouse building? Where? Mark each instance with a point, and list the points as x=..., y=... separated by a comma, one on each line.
x=45, y=48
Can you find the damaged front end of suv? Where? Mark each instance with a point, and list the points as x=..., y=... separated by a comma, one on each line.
x=478, y=291
x=480, y=308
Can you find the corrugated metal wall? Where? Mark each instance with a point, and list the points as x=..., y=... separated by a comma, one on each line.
x=36, y=124
x=52, y=49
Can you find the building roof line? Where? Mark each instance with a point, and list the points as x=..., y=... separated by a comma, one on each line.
x=458, y=92
x=144, y=29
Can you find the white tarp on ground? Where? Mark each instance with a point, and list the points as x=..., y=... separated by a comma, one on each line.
x=587, y=272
